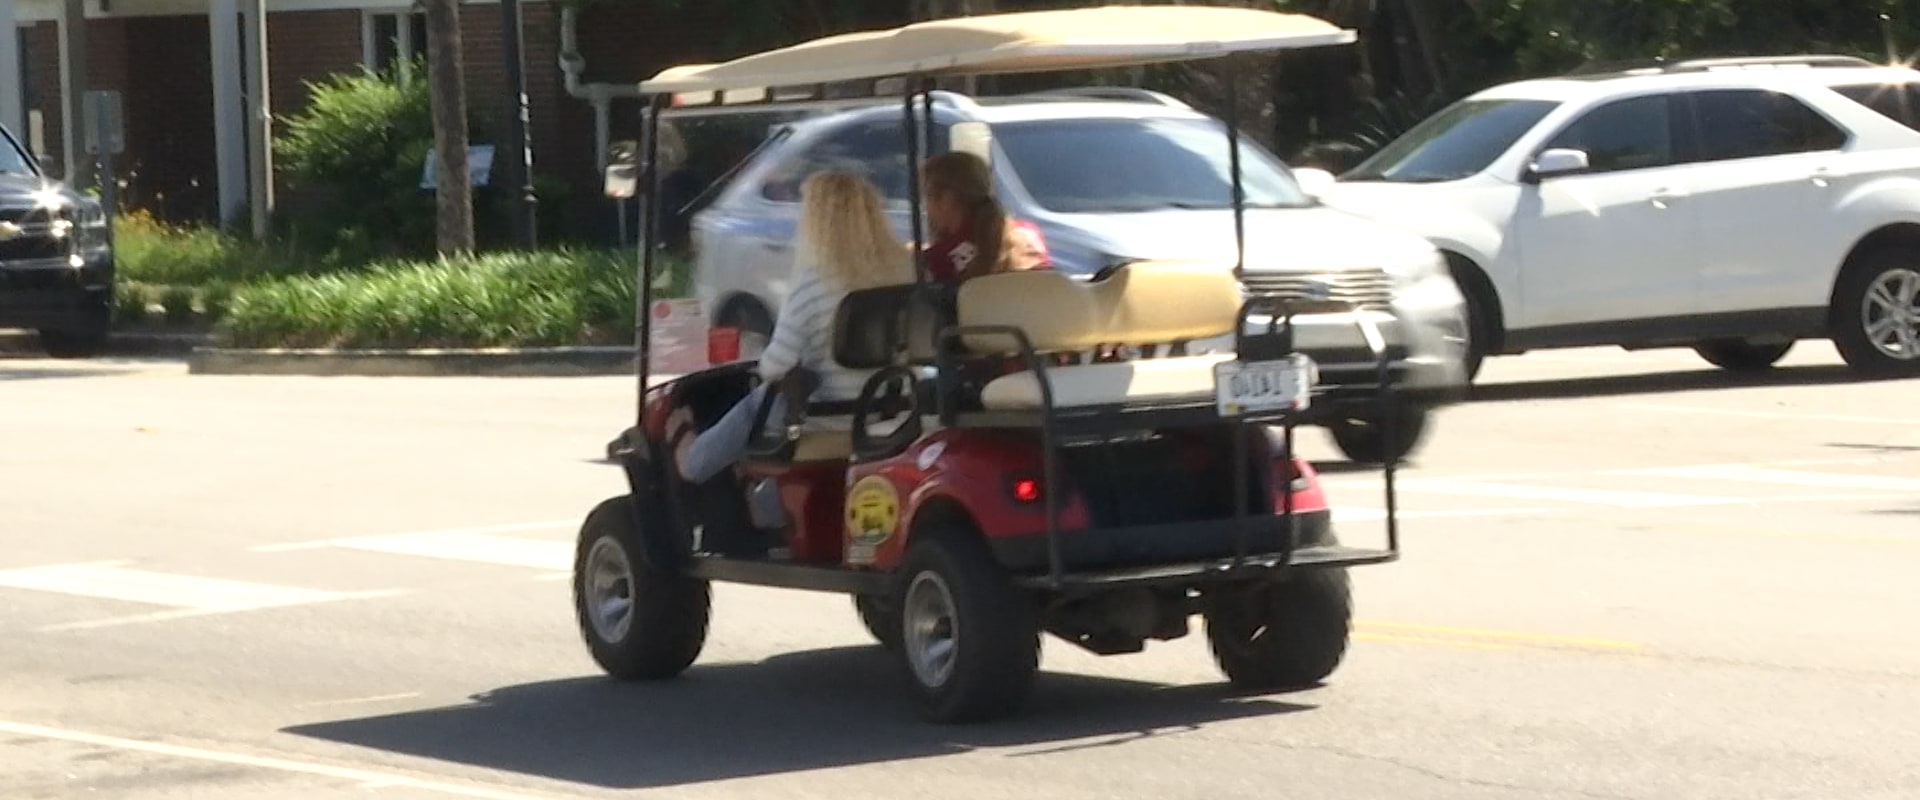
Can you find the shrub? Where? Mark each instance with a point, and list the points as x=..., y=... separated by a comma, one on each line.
x=177, y=304
x=505, y=299
x=149, y=251
x=361, y=142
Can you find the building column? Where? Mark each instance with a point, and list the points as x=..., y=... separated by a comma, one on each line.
x=13, y=108
x=259, y=118
x=73, y=93
x=229, y=110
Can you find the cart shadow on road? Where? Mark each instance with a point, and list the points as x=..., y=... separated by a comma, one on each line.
x=793, y=713
x=1662, y=382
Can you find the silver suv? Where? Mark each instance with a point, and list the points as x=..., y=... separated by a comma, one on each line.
x=1111, y=176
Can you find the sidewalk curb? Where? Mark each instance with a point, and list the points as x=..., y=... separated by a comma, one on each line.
x=504, y=362
x=119, y=343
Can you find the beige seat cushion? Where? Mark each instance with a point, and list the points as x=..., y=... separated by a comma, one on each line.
x=1107, y=384
x=823, y=446
x=1143, y=303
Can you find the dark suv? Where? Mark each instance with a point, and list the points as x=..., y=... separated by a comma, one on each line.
x=56, y=266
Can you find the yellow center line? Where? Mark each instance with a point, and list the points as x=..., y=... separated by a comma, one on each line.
x=1461, y=644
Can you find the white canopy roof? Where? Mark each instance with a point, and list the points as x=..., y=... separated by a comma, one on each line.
x=1034, y=41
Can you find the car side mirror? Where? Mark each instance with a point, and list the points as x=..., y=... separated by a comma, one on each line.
x=622, y=180
x=1559, y=161
x=1314, y=181
x=972, y=137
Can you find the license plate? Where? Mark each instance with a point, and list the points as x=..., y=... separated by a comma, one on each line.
x=1250, y=387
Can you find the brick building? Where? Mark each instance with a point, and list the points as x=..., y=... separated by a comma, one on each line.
x=159, y=54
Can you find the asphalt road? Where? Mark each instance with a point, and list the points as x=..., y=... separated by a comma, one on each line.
x=1625, y=576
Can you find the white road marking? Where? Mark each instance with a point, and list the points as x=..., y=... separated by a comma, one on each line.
x=1787, y=415
x=542, y=554
x=113, y=581
x=516, y=527
x=355, y=701
x=367, y=778
x=1812, y=480
x=1604, y=497
x=1358, y=514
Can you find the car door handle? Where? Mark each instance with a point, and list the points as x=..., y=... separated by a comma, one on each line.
x=1662, y=197
x=1822, y=177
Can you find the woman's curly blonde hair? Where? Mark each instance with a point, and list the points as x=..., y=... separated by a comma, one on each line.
x=844, y=233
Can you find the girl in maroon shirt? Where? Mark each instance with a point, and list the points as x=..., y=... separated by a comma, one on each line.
x=972, y=234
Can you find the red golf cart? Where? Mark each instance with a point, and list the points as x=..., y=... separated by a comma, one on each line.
x=969, y=511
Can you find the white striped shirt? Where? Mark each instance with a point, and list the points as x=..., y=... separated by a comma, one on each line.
x=803, y=337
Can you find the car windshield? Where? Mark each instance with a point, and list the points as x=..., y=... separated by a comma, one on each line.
x=12, y=161
x=1458, y=142
x=1119, y=166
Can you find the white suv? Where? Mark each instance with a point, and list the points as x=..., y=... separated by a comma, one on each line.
x=1733, y=206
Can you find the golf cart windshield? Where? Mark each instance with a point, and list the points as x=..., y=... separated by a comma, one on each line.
x=1067, y=166
x=1456, y=143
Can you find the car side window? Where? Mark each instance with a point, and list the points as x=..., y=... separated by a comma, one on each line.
x=1636, y=133
x=1750, y=123
x=873, y=150
x=1895, y=101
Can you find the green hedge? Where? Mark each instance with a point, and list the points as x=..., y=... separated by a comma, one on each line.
x=549, y=298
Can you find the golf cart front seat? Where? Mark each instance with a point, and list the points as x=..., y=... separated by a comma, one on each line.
x=1139, y=304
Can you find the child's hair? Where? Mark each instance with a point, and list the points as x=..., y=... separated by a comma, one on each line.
x=965, y=179
x=845, y=234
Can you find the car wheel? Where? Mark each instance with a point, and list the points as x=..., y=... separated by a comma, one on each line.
x=639, y=623
x=754, y=324
x=881, y=619
x=1364, y=440
x=1876, y=313
x=1740, y=355
x=969, y=640
x=1283, y=634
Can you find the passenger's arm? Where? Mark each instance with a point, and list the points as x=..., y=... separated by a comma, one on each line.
x=792, y=331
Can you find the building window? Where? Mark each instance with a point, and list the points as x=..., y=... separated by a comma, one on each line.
x=393, y=40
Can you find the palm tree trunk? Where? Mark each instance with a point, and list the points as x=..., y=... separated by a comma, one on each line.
x=453, y=195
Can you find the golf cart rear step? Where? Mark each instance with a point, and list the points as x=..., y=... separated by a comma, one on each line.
x=1317, y=557
x=786, y=575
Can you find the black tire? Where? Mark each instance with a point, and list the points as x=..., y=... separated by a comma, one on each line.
x=1286, y=634
x=753, y=322
x=666, y=620
x=992, y=626
x=1851, y=317
x=881, y=619
x=1740, y=355
x=1364, y=441
x=1480, y=334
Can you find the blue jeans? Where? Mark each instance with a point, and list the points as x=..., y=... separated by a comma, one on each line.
x=718, y=447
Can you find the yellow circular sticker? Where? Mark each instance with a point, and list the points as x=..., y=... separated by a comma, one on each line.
x=873, y=509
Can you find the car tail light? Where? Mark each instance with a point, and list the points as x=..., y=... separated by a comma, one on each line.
x=1025, y=490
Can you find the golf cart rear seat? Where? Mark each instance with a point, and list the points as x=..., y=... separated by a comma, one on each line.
x=1140, y=304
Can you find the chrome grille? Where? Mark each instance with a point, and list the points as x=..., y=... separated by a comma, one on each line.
x=1369, y=289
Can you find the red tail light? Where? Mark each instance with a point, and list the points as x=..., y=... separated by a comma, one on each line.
x=1026, y=490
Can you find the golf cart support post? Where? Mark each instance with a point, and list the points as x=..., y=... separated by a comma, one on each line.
x=843, y=70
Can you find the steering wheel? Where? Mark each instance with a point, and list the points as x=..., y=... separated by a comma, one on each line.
x=891, y=392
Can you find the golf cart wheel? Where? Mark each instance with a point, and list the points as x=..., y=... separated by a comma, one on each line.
x=1740, y=355
x=1364, y=440
x=880, y=617
x=1875, y=317
x=969, y=641
x=639, y=623
x=1281, y=634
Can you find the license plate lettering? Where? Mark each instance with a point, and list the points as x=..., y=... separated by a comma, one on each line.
x=1257, y=386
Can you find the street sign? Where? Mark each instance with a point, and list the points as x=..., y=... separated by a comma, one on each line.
x=104, y=119
x=479, y=167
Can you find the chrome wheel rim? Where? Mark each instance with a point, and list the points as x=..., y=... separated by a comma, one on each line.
x=609, y=590
x=1890, y=314
x=932, y=638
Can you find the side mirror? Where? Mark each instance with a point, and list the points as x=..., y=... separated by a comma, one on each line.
x=1314, y=181
x=1557, y=162
x=972, y=137
x=622, y=180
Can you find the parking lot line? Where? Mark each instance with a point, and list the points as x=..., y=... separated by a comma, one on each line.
x=1450, y=633
x=1819, y=480
x=317, y=544
x=370, y=779
x=111, y=580
x=1607, y=497
x=542, y=554
x=1788, y=415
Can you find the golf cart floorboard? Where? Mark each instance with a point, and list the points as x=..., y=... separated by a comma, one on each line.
x=784, y=574
x=1316, y=557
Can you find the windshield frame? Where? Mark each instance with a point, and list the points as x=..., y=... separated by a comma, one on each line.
x=1254, y=159
x=1410, y=145
x=14, y=148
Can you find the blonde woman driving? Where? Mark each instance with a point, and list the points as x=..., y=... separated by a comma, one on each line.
x=844, y=244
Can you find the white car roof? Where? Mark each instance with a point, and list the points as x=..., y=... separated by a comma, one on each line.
x=1579, y=88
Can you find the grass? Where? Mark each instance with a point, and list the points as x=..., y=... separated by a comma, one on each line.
x=551, y=298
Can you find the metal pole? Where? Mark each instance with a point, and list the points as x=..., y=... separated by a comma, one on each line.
x=913, y=186
x=260, y=145
x=103, y=162
x=1233, y=155
x=519, y=144
x=73, y=87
